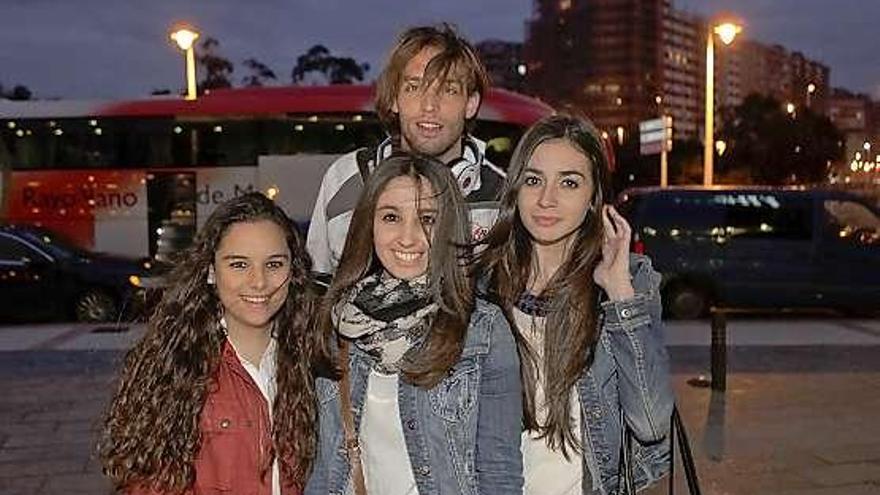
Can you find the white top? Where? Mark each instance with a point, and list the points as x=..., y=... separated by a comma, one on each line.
x=547, y=472
x=387, y=469
x=264, y=377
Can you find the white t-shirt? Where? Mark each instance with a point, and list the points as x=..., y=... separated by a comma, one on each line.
x=547, y=472
x=387, y=469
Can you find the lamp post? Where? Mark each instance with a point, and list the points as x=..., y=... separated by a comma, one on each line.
x=811, y=88
x=185, y=38
x=727, y=32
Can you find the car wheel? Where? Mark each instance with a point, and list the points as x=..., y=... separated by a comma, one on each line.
x=95, y=305
x=686, y=302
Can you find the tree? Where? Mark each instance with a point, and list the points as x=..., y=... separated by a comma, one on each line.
x=260, y=73
x=335, y=70
x=775, y=147
x=218, y=70
x=18, y=92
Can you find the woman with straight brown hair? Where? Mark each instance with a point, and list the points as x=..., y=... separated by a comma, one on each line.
x=587, y=313
x=430, y=393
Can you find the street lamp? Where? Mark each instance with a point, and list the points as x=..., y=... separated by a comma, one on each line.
x=790, y=108
x=185, y=38
x=727, y=32
x=811, y=88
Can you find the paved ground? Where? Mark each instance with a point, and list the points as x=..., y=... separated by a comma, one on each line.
x=801, y=413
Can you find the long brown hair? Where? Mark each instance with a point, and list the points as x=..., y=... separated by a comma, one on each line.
x=450, y=285
x=151, y=431
x=456, y=54
x=570, y=329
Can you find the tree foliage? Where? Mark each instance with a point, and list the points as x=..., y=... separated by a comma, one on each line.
x=775, y=147
x=18, y=92
x=217, y=69
x=260, y=73
x=334, y=70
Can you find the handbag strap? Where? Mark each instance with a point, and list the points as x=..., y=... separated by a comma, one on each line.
x=687, y=457
x=626, y=469
x=352, y=446
x=676, y=432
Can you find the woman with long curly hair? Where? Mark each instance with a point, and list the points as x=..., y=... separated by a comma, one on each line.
x=430, y=374
x=587, y=313
x=219, y=394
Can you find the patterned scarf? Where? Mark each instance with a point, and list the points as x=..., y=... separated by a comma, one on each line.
x=386, y=317
x=533, y=305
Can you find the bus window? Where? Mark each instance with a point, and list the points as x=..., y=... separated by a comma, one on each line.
x=23, y=144
x=145, y=143
x=334, y=134
x=241, y=142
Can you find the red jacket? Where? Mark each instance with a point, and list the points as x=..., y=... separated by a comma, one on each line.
x=236, y=436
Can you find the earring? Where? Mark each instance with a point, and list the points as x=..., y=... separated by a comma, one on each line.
x=210, y=279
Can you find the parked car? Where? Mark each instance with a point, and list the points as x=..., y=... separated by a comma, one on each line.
x=758, y=247
x=44, y=276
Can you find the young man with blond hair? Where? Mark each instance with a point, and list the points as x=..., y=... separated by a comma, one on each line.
x=427, y=98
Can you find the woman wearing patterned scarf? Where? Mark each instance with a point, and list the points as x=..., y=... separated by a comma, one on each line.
x=431, y=399
x=587, y=313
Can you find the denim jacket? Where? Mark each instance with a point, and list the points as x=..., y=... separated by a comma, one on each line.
x=629, y=374
x=462, y=436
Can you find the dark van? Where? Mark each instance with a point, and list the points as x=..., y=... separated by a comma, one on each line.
x=758, y=248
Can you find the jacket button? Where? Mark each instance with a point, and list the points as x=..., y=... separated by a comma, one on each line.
x=411, y=424
x=597, y=413
x=224, y=423
x=425, y=470
x=626, y=312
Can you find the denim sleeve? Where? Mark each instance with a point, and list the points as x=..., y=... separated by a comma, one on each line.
x=633, y=329
x=499, y=424
x=317, y=483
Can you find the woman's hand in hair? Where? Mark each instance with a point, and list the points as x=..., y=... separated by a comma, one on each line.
x=612, y=273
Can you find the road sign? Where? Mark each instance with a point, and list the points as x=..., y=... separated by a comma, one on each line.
x=655, y=136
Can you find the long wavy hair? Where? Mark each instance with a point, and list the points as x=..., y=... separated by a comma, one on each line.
x=151, y=432
x=571, y=327
x=450, y=285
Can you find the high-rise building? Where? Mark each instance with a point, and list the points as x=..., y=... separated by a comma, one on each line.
x=790, y=77
x=683, y=72
x=601, y=57
x=855, y=115
x=623, y=61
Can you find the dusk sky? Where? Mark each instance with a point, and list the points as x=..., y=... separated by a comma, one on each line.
x=111, y=49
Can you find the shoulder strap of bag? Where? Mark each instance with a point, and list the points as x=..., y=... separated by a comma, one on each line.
x=352, y=446
x=677, y=431
x=687, y=457
x=625, y=476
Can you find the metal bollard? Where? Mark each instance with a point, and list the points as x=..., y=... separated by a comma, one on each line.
x=718, y=352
